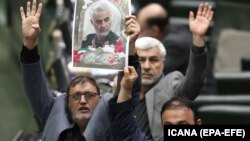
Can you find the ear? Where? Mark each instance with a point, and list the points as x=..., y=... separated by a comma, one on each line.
x=164, y=61
x=99, y=97
x=199, y=121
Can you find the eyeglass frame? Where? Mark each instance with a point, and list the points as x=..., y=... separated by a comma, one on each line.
x=78, y=95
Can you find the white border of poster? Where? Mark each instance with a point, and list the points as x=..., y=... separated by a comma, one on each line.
x=112, y=53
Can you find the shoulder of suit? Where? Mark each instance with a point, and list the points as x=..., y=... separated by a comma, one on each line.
x=106, y=96
x=175, y=75
x=170, y=81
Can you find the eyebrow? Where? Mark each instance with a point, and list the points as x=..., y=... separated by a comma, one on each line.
x=148, y=57
x=83, y=92
x=179, y=122
x=102, y=19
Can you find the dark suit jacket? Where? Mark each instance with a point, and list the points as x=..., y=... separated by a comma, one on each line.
x=123, y=122
x=52, y=112
x=91, y=38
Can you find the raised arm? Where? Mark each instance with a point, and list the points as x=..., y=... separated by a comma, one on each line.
x=35, y=84
x=124, y=126
x=196, y=70
x=121, y=107
x=132, y=29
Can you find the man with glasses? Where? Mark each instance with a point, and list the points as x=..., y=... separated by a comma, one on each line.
x=63, y=118
x=84, y=95
x=101, y=21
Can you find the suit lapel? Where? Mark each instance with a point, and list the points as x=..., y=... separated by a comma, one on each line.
x=150, y=105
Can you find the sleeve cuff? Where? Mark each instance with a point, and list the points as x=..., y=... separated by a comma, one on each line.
x=29, y=56
x=117, y=108
x=198, y=50
x=133, y=59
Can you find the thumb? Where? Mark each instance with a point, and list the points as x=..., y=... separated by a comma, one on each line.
x=126, y=72
x=36, y=27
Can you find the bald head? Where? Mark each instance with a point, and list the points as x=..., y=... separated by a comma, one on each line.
x=153, y=19
x=151, y=10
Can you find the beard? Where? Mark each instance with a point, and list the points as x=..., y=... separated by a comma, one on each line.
x=103, y=33
x=81, y=119
x=147, y=81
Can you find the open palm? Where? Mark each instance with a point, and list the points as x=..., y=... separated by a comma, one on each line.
x=30, y=27
x=30, y=22
x=199, y=25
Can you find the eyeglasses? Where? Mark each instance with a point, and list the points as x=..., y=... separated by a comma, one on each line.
x=87, y=95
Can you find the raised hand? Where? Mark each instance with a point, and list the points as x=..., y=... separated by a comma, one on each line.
x=30, y=24
x=127, y=83
x=199, y=25
x=132, y=29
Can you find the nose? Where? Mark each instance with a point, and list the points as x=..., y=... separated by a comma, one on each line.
x=83, y=99
x=103, y=24
x=146, y=65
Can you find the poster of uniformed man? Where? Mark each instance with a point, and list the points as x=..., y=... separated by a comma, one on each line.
x=99, y=40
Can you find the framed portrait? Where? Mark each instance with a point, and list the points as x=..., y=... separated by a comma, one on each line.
x=99, y=39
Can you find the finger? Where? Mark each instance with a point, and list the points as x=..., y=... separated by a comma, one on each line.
x=208, y=11
x=131, y=31
x=199, y=12
x=28, y=9
x=39, y=10
x=33, y=9
x=132, y=70
x=131, y=20
x=133, y=73
x=128, y=22
x=191, y=16
x=130, y=26
x=36, y=27
x=210, y=17
x=205, y=8
x=130, y=17
x=128, y=30
x=22, y=13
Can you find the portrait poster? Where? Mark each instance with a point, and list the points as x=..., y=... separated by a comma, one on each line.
x=99, y=39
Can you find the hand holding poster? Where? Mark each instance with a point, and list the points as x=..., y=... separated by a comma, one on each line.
x=99, y=39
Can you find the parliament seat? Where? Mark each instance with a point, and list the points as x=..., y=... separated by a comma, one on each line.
x=225, y=114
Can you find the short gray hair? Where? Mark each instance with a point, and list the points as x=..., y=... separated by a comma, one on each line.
x=98, y=7
x=145, y=43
